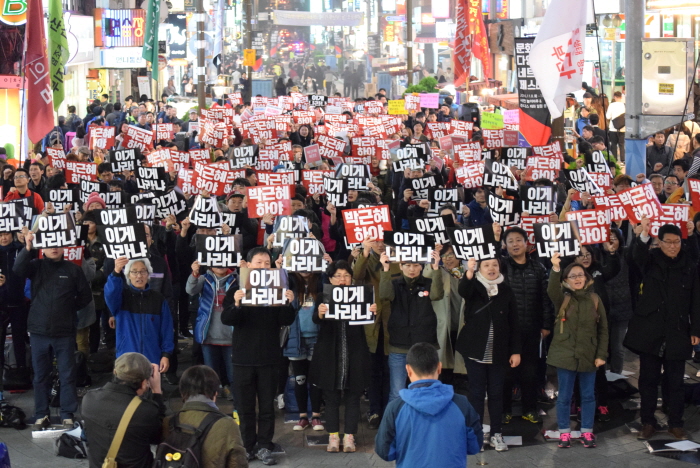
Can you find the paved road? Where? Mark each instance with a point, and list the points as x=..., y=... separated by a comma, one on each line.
x=617, y=447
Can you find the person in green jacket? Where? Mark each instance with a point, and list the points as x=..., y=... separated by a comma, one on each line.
x=579, y=345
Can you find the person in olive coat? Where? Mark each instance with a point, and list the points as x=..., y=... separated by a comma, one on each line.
x=579, y=344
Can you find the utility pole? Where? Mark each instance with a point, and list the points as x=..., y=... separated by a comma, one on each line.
x=409, y=40
x=634, y=20
x=200, y=71
x=249, y=45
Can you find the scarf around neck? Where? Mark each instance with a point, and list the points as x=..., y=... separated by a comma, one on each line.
x=490, y=285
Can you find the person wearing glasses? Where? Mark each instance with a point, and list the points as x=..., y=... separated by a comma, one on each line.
x=21, y=189
x=579, y=344
x=141, y=314
x=341, y=363
x=671, y=184
x=666, y=322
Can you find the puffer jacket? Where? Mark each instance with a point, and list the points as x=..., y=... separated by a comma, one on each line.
x=11, y=293
x=293, y=346
x=206, y=286
x=529, y=285
x=580, y=334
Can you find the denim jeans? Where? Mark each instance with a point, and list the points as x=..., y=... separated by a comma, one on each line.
x=397, y=374
x=586, y=381
x=215, y=356
x=42, y=361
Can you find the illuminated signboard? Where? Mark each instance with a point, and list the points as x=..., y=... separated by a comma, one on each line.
x=119, y=28
x=13, y=12
x=670, y=4
x=123, y=57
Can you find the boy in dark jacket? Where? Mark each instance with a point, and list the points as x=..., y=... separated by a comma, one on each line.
x=428, y=408
x=256, y=354
x=412, y=318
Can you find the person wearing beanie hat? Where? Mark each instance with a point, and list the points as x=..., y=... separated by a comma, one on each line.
x=94, y=202
x=104, y=407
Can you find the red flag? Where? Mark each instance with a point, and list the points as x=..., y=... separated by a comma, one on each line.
x=39, y=97
x=463, y=45
x=480, y=39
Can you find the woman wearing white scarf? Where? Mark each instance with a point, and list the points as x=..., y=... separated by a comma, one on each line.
x=489, y=340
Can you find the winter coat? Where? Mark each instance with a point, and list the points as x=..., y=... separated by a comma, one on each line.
x=412, y=318
x=580, y=334
x=446, y=424
x=256, y=331
x=144, y=323
x=602, y=272
x=223, y=446
x=11, y=293
x=529, y=285
x=668, y=304
x=295, y=339
x=621, y=294
x=205, y=286
x=98, y=282
x=480, y=312
x=86, y=315
x=479, y=216
x=59, y=290
x=367, y=270
x=447, y=310
x=326, y=367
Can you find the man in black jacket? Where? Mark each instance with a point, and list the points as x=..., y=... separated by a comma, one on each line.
x=59, y=290
x=104, y=407
x=528, y=280
x=256, y=354
x=666, y=323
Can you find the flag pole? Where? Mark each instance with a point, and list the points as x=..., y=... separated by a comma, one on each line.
x=23, y=106
x=600, y=68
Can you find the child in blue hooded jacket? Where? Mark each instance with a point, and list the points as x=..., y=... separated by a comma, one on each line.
x=428, y=425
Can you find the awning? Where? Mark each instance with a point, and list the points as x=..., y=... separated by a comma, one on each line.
x=509, y=101
x=330, y=18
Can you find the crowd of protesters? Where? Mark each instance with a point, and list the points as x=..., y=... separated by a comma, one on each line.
x=494, y=322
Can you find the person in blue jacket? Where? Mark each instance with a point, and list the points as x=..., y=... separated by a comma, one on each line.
x=428, y=425
x=144, y=323
x=214, y=336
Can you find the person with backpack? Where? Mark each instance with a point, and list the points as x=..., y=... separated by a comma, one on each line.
x=103, y=408
x=579, y=344
x=219, y=445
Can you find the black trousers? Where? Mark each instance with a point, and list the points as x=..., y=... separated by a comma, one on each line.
x=379, y=384
x=649, y=379
x=352, y=410
x=251, y=385
x=300, y=369
x=17, y=317
x=525, y=374
x=617, y=145
x=483, y=378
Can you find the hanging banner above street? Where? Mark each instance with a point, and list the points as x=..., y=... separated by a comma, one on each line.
x=305, y=18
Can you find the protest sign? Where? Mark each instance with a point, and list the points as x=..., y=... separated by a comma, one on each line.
x=71, y=254
x=471, y=175
x=25, y=209
x=541, y=167
x=366, y=223
x=514, y=157
x=124, y=240
x=10, y=219
x=145, y=213
x=62, y=197
x=219, y=251
x=478, y=243
x=504, y=211
x=123, y=160
x=112, y=199
x=313, y=181
x=552, y=150
x=205, y=213
x=116, y=216
x=57, y=158
x=264, y=287
x=557, y=237
x=216, y=178
x=611, y=204
x=538, y=200
x=439, y=197
x=272, y=199
x=330, y=147
x=349, y=303
x=101, y=137
x=597, y=162
x=421, y=186
x=303, y=255
x=152, y=179
x=163, y=131
x=437, y=130
x=581, y=182
x=89, y=186
x=161, y=158
x=640, y=201
x=281, y=177
x=357, y=175
x=491, y=121
x=493, y=138
x=170, y=203
x=430, y=100
x=593, y=225
x=499, y=175
x=336, y=191
x=527, y=223
x=289, y=227
x=136, y=137
x=602, y=180
x=676, y=214
x=54, y=231
x=435, y=226
x=412, y=102
x=317, y=100
x=694, y=188
x=244, y=156
x=373, y=107
x=76, y=171
x=313, y=156
x=463, y=129
x=408, y=247
x=397, y=107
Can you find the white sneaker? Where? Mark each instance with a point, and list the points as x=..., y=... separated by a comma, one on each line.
x=280, y=401
x=498, y=443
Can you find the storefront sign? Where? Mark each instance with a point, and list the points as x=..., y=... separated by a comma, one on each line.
x=13, y=12
x=81, y=38
x=123, y=57
x=119, y=28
